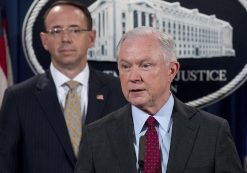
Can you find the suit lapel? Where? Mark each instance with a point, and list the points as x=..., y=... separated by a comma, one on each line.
x=47, y=97
x=96, y=97
x=183, y=137
x=121, y=135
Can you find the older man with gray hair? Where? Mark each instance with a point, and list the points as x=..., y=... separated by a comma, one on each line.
x=156, y=132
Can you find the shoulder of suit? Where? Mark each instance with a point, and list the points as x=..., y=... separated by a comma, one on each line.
x=115, y=116
x=26, y=84
x=103, y=76
x=209, y=117
x=194, y=113
x=108, y=77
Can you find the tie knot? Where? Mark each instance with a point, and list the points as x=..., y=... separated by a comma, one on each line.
x=72, y=84
x=151, y=121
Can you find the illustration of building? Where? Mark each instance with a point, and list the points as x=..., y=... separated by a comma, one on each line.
x=196, y=35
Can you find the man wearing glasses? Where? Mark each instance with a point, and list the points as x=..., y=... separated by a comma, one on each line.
x=41, y=119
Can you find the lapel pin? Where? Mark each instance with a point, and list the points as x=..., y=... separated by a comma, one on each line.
x=100, y=97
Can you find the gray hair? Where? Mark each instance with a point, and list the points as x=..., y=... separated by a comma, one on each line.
x=167, y=43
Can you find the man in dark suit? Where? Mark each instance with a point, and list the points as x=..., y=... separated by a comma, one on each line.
x=34, y=136
x=177, y=138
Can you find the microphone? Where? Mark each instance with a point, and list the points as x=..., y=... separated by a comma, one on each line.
x=141, y=154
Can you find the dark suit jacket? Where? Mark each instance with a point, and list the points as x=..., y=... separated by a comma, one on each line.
x=201, y=143
x=33, y=132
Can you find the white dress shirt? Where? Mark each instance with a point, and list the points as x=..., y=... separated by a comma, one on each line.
x=163, y=128
x=62, y=90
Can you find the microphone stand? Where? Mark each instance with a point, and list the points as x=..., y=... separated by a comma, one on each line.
x=141, y=166
x=142, y=143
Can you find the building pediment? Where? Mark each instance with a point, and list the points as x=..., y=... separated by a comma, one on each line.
x=96, y=5
x=144, y=4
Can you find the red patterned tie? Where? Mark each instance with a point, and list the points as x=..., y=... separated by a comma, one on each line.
x=152, y=163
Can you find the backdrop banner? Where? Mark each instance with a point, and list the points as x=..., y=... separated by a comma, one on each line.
x=210, y=38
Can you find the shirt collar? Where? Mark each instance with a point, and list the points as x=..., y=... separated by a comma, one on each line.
x=163, y=116
x=59, y=78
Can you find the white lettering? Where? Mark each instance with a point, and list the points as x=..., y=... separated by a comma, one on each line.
x=201, y=75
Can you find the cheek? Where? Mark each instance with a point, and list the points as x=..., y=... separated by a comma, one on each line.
x=82, y=46
x=52, y=51
x=46, y=45
x=122, y=76
x=50, y=45
x=124, y=82
x=85, y=42
x=156, y=82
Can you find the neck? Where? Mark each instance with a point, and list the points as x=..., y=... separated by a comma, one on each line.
x=154, y=107
x=70, y=72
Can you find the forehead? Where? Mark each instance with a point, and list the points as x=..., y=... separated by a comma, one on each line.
x=141, y=42
x=140, y=46
x=65, y=15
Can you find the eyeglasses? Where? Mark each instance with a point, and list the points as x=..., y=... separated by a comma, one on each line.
x=71, y=31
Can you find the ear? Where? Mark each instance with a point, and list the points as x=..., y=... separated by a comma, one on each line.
x=174, y=67
x=92, y=36
x=43, y=37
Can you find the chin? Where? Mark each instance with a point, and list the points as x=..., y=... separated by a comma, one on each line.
x=137, y=103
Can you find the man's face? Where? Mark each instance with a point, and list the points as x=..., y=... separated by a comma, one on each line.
x=144, y=73
x=68, y=49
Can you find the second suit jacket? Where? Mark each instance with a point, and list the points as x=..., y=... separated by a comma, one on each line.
x=33, y=133
x=200, y=143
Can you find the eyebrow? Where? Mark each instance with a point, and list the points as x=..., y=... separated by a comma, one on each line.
x=73, y=26
x=146, y=59
x=59, y=26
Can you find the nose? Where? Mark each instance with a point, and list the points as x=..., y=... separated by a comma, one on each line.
x=66, y=37
x=135, y=75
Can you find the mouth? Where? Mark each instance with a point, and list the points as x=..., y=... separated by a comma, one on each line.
x=136, y=90
x=66, y=50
